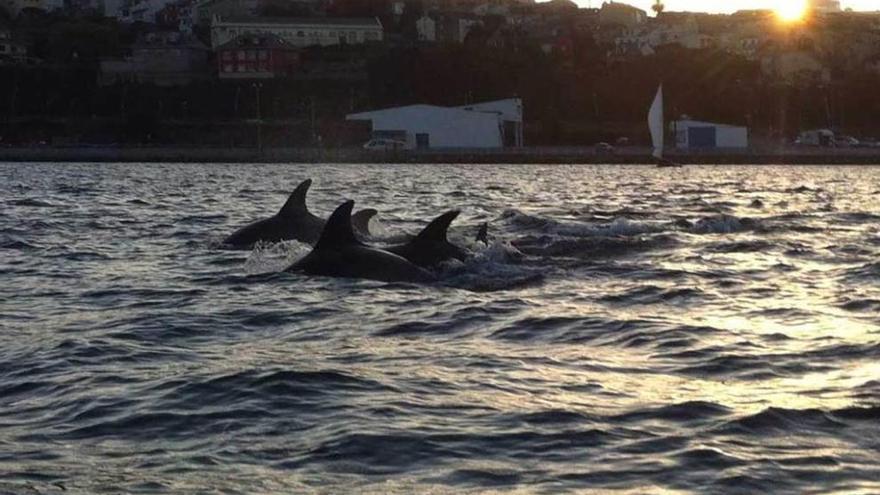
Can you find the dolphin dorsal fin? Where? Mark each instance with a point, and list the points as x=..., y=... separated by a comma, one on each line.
x=361, y=220
x=436, y=230
x=337, y=231
x=296, y=203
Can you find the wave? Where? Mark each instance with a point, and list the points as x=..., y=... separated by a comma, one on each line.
x=33, y=202
x=752, y=246
x=751, y=367
x=15, y=243
x=862, y=306
x=869, y=272
x=723, y=224
x=654, y=295
x=781, y=421
x=617, y=227
x=685, y=412
x=590, y=247
x=497, y=267
x=401, y=450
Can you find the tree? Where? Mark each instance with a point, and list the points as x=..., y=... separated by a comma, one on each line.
x=658, y=7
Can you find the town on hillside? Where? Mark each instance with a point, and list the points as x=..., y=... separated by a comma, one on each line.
x=336, y=73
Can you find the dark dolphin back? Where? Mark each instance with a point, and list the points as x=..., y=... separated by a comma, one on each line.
x=296, y=203
x=338, y=231
x=339, y=254
x=436, y=230
x=431, y=246
x=361, y=220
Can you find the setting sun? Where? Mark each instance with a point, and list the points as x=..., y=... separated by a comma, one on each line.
x=791, y=10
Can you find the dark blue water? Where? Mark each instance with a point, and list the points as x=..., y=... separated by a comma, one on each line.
x=699, y=330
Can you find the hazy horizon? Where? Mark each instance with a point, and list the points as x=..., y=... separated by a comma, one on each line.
x=726, y=7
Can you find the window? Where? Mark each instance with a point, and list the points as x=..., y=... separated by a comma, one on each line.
x=371, y=36
x=264, y=55
x=227, y=67
x=240, y=55
x=251, y=55
x=227, y=55
x=300, y=34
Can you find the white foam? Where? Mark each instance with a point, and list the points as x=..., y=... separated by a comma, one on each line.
x=492, y=268
x=718, y=224
x=274, y=257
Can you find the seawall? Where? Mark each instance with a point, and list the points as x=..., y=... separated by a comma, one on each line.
x=531, y=155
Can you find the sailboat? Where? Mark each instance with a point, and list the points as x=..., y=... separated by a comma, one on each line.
x=655, y=125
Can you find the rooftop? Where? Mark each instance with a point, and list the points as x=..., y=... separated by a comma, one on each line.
x=264, y=40
x=303, y=21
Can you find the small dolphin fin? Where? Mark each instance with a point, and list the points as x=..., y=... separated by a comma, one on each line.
x=297, y=200
x=436, y=230
x=483, y=234
x=338, y=231
x=361, y=220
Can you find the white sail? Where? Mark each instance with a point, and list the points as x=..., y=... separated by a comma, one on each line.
x=655, y=123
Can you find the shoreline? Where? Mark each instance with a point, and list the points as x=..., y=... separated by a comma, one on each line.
x=531, y=155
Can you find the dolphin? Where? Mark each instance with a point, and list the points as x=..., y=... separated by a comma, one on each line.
x=293, y=222
x=339, y=253
x=483, y=233
x=361, y=221
x=431, y=247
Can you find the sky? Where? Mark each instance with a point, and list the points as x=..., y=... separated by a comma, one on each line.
x=726, y=6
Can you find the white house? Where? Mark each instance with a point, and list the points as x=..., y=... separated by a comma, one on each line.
x=299, y=32
x=494, y=124
x=693, y=134
x=427, y=28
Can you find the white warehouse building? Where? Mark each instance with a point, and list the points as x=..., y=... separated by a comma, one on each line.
x=300, y=32
x=494, y=124
x=693, y=134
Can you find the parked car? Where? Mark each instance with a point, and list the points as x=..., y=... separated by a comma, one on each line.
x=604, y=149
x=845, y=142
x=381, y=144
x=869, y=143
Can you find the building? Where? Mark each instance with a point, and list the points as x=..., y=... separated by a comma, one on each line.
x=825, y=6
x=299, y=32
x=693, y=134
x=257, y=56
x=645, y=40
x=205, y=11
x=454, y=28
x=621, y=14
x=426, y=28
x=164, y=59
x=494, y=124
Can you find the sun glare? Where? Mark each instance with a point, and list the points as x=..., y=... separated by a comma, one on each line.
x=791, y=10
